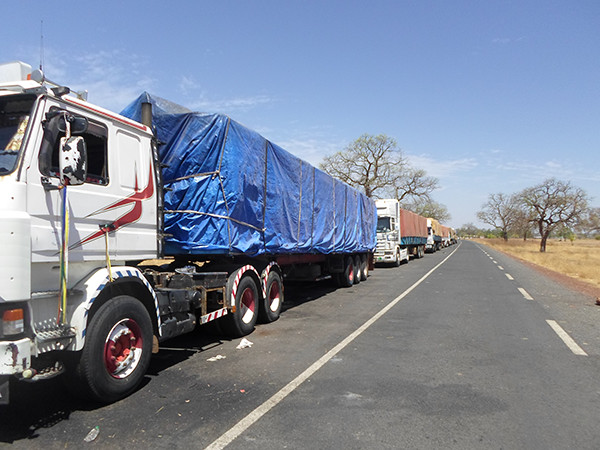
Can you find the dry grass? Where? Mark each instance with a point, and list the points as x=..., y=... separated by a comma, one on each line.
x=579, y=259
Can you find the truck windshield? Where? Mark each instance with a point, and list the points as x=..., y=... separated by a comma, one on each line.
x=383, y=225
x=14, y=117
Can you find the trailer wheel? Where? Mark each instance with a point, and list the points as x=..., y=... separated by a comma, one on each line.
x=117, y=351
x=357, y=269
x=242, y=321
x=346, y=278
x=364, y=268
x=273, y=301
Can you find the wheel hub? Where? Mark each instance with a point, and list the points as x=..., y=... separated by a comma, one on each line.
x=123, y=348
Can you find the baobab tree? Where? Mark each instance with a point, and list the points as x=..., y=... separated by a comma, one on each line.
x=376, y=165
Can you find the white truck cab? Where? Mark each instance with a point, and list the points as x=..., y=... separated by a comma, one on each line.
x=389, y=248
x=61, y=231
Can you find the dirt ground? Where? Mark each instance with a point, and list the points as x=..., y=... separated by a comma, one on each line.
x=569, y=282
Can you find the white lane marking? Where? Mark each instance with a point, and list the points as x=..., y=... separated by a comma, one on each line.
x=509, y=276
x=494, y=261
x=568, y=340
x=525, y=294
x=500, y=267
x=261, y=410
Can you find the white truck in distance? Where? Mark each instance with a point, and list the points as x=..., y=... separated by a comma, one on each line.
x=400, y=233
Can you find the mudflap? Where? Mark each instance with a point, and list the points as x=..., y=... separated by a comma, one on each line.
x=4, y=390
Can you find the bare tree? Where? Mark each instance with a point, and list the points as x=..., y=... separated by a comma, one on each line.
x=370, y=162
x=522, y=226
x=429, y=208
x=590, y=224
x=469, y=230
x=553, y=203
x=500, y=211
x=375, y=164
x=414, y=183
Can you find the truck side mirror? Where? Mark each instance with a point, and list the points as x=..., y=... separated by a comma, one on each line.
x=72, y=160
x=59, y=117
x=78, y=124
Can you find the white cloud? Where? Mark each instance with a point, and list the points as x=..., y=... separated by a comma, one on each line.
x=506, y=40
x=113, y=78
x=229, y=105
x=442, y=168
x=311, y=150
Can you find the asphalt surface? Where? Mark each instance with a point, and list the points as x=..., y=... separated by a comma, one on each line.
x=463, y=359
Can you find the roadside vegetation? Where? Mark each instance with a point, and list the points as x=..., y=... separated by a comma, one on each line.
x=579, y=259
x=377, y=166
x=551, y=225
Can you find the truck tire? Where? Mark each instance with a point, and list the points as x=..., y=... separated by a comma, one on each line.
x=397, y=261
x=346, y=278
x=116, y=354
x=242, y=321
x=364, y=267
x=273, y=301
x=357, y=269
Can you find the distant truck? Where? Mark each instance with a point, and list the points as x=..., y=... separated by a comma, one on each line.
x=400, y=233
x=434, y=236
x=445, y=233
x=122, y=230
x=453, y=236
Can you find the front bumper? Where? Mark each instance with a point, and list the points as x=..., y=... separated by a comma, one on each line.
x=15, y=356
x=385, y=257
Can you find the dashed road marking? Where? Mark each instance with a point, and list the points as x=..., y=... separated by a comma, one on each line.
x=500, y=267
x=525, y=294
x=568, y=340
x=509, y=276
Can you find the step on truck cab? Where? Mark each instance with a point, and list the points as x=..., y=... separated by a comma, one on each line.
x=100, y=265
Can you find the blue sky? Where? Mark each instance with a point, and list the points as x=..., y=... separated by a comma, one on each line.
x=487, y=96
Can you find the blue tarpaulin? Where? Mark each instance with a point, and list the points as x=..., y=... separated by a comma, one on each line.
x=230, y=191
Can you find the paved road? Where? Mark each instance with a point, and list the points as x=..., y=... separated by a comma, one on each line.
x=444, y=352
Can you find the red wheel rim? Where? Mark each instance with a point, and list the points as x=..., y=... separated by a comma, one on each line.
x=247, y=305
x=274, y=296
x=123, y=348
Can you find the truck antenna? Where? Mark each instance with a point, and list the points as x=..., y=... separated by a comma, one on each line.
x=41, y=44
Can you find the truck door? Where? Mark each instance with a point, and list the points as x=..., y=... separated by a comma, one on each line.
x=115, y=200
x=45, y=202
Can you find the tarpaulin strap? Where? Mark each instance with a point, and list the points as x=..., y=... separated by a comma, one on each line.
x=106, y=229
x=221, y=182
x=264, y=203
x=300, y=207
x=216, y=216
x=205, y=174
